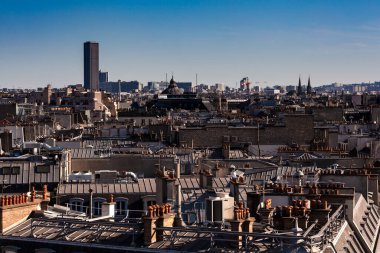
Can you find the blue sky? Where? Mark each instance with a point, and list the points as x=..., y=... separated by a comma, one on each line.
x=271, y=42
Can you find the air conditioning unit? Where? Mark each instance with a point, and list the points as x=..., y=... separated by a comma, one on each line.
x=219, y=208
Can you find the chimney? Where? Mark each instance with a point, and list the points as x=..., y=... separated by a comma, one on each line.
x=226, y=151
x=253, y=201
x=319, y=211
x=206, y=179
x=108, y=208
x=33, y=194
x=149, y=222
x=158, y=216
x=178, y=222
x=165, y=183
x=266, y=213
x=15, y=208
x=177, y=165
x=236, y=226
x=235, y=185
x=216, y=170
x=242, y=222
x=45, y=198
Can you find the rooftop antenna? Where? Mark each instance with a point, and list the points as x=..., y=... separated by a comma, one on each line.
x=196, y=79
x=166, y=77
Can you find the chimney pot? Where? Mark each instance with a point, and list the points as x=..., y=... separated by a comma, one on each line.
x=289, y=211
x=325, y=204
x=150, y=211
x=44, y=196
x=33, y=195
x=236, y=214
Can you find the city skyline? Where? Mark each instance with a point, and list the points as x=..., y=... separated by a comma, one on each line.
x=223, y=41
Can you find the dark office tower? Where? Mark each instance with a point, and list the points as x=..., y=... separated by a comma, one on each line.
x=91, y=65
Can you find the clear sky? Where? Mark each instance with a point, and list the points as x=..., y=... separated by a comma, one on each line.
x=222, y=40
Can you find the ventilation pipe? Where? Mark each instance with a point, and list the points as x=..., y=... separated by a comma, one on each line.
x=132, y=175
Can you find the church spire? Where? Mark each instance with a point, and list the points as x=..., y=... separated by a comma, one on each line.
x=299, y=88
x=308, y=87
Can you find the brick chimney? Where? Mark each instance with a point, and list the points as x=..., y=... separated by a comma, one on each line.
x=242, y=222
x=319, y=211
x=158, y=216
x=16, y=208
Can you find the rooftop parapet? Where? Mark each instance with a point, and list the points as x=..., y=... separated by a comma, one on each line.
x=16, y=208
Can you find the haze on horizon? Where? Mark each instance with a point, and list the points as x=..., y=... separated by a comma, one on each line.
x=271, y=41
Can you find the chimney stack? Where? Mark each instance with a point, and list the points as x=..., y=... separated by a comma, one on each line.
x=158, y=216
x=108, y=208
x=165, y=183
x=236, y=181
x=178, y=222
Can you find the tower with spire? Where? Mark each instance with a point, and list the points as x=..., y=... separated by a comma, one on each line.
x=172, y=89
x=308, y=90
x=299, y=88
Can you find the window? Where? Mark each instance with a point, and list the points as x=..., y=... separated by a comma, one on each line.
x=10, y=171
x=97, y=206
x=76, y=204
x=42, y=169
x=121, y=206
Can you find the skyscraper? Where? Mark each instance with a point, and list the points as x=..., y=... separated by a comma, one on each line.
x=91, y=65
